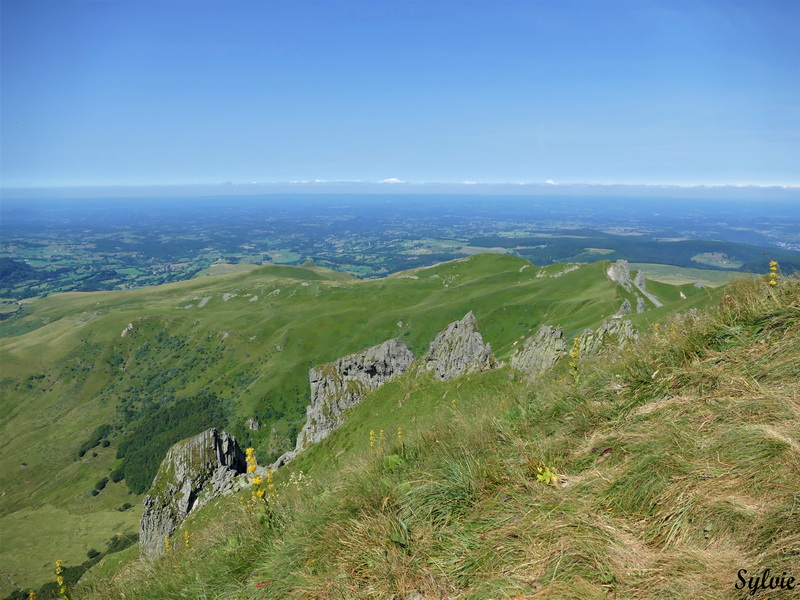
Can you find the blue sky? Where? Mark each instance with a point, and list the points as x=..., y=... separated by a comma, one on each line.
x=156, y=92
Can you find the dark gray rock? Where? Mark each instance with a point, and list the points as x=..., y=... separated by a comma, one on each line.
x=194, y=471
x=458, y=350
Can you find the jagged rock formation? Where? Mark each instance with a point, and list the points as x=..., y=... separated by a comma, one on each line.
x=340, y=385
x=613, y=332
x=540, y=352
x=459, y=349
x=194, y=471
x=620, y=273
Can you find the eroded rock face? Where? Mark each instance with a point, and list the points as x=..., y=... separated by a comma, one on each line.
x=340, y=385
x=540, y=352
x=613, y=332
x=458, y=350
x=194, y=471
x=620, y=272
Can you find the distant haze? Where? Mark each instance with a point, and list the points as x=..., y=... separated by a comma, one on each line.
x=743, y=193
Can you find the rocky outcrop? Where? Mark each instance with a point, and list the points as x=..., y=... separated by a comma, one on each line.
x=340, y=385
x=459, y=349
x=194, y=471
x=640, y=284
x=613, y=332
x=620, y=273
x=540, y=352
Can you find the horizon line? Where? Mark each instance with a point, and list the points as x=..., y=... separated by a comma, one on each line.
x=392, y=183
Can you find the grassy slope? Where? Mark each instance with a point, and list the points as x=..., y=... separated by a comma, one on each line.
x=317, y=316
x=678, y=464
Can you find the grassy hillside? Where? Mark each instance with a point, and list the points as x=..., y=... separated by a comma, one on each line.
x=83, y=403
x=658, y=473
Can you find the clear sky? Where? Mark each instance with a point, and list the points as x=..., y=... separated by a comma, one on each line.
x=157, y=92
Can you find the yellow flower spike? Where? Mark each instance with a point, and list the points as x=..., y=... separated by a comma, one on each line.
x=257, y=480
x=60, y=580
x=372, y=439
x=186, y=538
x=251, y=468
x=32, y=595
x=400, y=434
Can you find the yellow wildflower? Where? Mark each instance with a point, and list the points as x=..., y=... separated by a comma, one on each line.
x=251, y=468
x=257, y=480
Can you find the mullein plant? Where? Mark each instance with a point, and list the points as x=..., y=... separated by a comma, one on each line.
x=772, y=276
x=574, y=355
x=63, y=591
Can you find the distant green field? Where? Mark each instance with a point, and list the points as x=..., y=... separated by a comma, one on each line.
x=718, y=260
x=686, y=275
x=225, y=269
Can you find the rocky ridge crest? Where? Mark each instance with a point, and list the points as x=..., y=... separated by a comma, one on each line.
x=620, y=273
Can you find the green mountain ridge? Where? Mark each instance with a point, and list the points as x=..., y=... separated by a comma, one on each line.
x=668, y=470
x=99, y=385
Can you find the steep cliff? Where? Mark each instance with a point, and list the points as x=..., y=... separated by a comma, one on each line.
x=459, y=349
x=193, y=472
x=340, y=385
